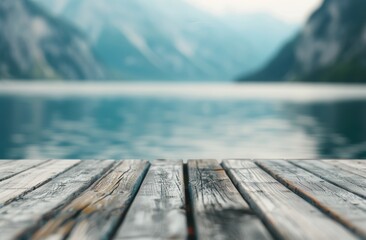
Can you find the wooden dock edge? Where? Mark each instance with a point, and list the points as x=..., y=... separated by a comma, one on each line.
x=194, y=199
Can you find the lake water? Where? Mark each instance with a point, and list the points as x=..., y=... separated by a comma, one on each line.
x=181, y=121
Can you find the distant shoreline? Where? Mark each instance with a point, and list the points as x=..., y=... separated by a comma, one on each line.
x=298, y=92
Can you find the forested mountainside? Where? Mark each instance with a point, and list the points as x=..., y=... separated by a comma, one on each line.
x=171, y=39
x=35, y=45
x=330, y=48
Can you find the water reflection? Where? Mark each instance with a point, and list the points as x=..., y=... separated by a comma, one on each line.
x=338, y=127
x=158, y=127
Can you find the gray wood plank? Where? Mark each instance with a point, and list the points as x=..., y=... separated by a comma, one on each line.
x=32, y=178
x=238, y=164
x=336, y=175
x=346, y=207
x=10, y=168
x=205, y=164
x=287, y=215
x=5, y=161
x=353, y=166
x=97, y=212
x=220, y=212
x=23, y=215
x=358, y=163
x=158, y=211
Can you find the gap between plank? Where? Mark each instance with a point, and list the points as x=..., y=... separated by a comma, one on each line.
x=29, y=232
x=255, y=211
x=123, y=216
x=40, y=184
x=36, y=165
x=111, y=234
x=309, y=200
x=191, y=230
x=327, y=180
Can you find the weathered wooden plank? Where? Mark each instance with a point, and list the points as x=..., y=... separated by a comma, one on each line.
x=287, y=215
x=346, y=207
x=10, y=168
x=5, y=161
x=34, y=177
x=220, y=212
x=354, y=166
x=238, y=164
x=158, y=211
x=97, y=212
x=342, y=178
x=26, y=213
x=205, y=164
x=358, y=163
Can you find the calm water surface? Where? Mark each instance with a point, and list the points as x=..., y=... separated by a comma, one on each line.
x=180, y=122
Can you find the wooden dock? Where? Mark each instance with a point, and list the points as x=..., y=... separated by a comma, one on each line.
x=202, y=199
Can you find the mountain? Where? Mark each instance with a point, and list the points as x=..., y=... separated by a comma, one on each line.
x=35, y=45
x=171, y=39
x=330, y=48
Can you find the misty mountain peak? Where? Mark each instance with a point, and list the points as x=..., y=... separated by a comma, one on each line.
x=331, y=47
x=35, y=45
x=172, y=39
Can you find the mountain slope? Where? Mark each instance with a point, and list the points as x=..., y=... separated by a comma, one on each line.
x=170, y=39
x=330, y=48
x=36, y=45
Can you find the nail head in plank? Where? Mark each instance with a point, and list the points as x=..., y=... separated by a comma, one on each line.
x=158, y=211
x=97, y=212
x=347, y=208
x=285, y=213
x=34, y=177
x=26, y=213
x=219, y=210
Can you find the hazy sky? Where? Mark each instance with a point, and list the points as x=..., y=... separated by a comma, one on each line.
x=295, y=11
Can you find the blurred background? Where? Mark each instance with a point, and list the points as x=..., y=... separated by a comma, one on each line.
x=182, y=79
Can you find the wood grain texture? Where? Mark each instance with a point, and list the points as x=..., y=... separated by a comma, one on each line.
x=158, y=211
x=97, y=212
x=354, y=166
x=10, y=168
x=220, y=212
x=286, y=214
x=239, y=164
x=347, y=180
x=6, y=161
x=346, y=207
x=32, y=178
x=357, y=163
x=26, y=213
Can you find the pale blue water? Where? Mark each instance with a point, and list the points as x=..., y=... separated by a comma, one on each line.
x=183, y=122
